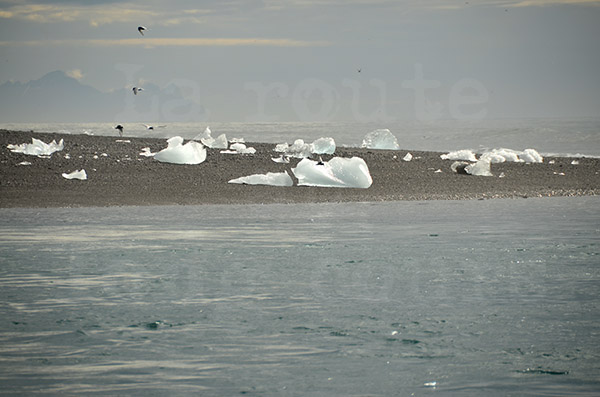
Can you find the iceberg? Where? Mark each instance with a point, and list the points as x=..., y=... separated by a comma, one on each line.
x=81, y=175
x=323, y=146
x=270, y=178
x=380, y=139
x=178, y=153
x=214, y=143
x=466, y=155
x=337, y=172
x=37, y=147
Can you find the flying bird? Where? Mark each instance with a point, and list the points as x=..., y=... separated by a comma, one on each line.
x=136, y=90
x=120, y=128
x=141, y=29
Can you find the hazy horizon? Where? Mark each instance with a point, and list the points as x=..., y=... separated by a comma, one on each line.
x=317, y=60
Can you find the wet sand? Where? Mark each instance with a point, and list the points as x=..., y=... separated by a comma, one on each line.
x=123, y=177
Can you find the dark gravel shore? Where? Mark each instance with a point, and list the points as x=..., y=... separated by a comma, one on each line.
x=123, y=177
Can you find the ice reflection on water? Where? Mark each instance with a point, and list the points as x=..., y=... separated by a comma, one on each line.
x=498, y=297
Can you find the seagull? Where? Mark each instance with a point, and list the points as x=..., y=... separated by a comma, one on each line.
x=141, y=29
x=151, y=127
x=120, y=128
x=136, y=90
x=359, y=70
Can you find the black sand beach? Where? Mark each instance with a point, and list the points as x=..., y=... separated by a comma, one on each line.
x=123, y=177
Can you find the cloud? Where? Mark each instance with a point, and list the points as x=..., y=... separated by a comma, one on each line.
x=77, y=74
x=171, y=42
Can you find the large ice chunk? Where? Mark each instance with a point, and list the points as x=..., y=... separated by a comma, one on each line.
x=81, y=175
x=337, y=172
x=270, y=178
x=37, y=147
x=466, y=155
x=178, y=153
x=300, y=149
x=323, y=146
x=380, y=139
x=480, y=168
x=509, y=155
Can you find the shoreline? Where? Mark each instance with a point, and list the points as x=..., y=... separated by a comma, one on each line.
x=123, y=178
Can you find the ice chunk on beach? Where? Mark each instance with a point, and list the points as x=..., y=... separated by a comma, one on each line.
x=178, y=153
x=508, y=155
x=380, y=139
x=214, y=143
x=300, y=149
x=270, y=178
x=146, y=152
x=81, y=175
x=323, y=146
x=408, y=157
x=466, y=155
x=37, y=147
x=480, y=168
x=337, y=172
x=239, y=148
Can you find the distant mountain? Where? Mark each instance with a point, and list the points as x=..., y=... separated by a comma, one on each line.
x=57, y=97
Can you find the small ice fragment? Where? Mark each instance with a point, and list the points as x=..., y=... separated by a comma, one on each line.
x=239, y=148
x=67, y=156
x=283, y=159
x=501, y=175
x=104, y=155
x=146, y=152
x=123, y=141
x=81, y=175
x=270, y=178
x=575, y=162
x=430, y=384
x=24, y=163
x=438, y=171
x=380, y=139
x=408, y=157
x=95, y=157
x=394, y=333
x=466, y=155
x=551, y=162
x=559, y=173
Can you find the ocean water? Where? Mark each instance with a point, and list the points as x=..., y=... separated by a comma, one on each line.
x=466, y=298
x=567, y=137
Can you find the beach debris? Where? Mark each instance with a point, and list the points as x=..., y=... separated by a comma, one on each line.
x=300, y=149
x=24, y=163
x=239, y=148
x=214, y=143
x=380, y=139
x=270, y=178
x=337, y=172
x=177, y=153
x=146, y=152
x=460, y=155
x=37, y=148
x=408, y=157
x=80, y=174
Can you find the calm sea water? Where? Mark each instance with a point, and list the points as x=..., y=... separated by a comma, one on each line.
x=572, y=137
x=498, y=297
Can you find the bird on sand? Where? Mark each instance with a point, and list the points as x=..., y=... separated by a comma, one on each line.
x=141, y=29
x=120, y=128
x=136, y=90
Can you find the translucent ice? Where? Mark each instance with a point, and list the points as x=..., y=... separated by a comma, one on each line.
x=380, y=139
x=337, y=172
x=146, y=152
x=81, y=175
x=300, y=149
x=178, y=153
x=323, y=146
x=214, y=143
x=408, y=157
x=270, y=178
x=480, y=168
x=37, y=147
x=465, y=154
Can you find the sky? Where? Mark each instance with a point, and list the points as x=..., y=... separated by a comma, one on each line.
x=322, y=60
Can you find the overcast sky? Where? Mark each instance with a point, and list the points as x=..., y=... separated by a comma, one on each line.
x=354, y=60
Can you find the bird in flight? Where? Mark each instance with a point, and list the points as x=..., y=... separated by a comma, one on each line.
x=120, y=128
x=136, y=90
x=141, y=29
